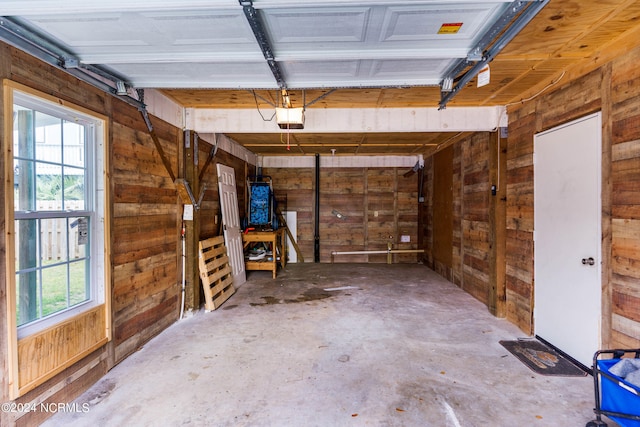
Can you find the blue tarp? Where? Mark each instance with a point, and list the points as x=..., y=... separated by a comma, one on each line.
x=260, y=206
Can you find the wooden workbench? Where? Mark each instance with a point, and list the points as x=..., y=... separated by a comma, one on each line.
x=275, y=240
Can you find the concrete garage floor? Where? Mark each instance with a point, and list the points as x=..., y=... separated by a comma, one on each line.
x=404, y=347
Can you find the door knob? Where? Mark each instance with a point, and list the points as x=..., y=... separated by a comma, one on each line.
x=588, y=261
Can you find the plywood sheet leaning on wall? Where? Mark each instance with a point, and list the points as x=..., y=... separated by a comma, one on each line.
x=215, y=272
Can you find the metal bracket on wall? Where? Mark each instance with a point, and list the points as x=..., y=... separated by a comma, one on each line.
x=212, y=155
x=184, y=190
x=156, y=141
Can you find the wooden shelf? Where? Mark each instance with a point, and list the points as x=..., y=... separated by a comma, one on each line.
x=276, y=241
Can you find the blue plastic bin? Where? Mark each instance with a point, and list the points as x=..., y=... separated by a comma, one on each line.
x=617, y=395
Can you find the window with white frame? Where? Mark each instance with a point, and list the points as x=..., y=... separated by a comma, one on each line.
x=58, y=191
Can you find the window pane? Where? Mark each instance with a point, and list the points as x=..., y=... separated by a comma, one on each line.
x=54, y=289
x=53, y=240
x=27, y=297
x=52, y=265
x=23, y=133
x=48, y=187
x=48, y=136
x=24, y=179
x=73, y=144
x=27, y=270
x=26, y=244
x=78, y=282
x=74, y=189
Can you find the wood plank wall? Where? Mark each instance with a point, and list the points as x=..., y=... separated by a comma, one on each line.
x=519, y=236
x=343, y=190
x=613, y=89
x=379, y=205
x=467, y=234
x=476, y=231
x=406, y=202
x=625, y=202
x=456, y=191
x=569, y=102
x=442, y=215
x=144, y=230
x=426, y=229
x=294, y=191
x=145, y=226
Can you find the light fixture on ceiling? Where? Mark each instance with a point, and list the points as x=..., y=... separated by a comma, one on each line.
x=287, y=116
x=290, y=118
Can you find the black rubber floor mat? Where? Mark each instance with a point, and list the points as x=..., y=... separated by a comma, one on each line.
x=542, y=359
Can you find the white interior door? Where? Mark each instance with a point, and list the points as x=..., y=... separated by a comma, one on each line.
x=231, y=222
x=567, y=197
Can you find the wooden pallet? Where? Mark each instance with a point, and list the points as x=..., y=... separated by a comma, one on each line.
x=215, y=272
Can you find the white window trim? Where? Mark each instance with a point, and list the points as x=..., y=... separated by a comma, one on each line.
x=96, y=250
